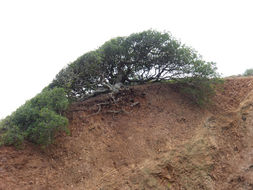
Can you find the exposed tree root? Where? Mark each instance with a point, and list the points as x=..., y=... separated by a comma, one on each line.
x=111, y=103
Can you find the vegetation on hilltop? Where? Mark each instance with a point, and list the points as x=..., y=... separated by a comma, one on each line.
x=37, y=120
x=248, y=72
x=148, y=56
x=141, y=57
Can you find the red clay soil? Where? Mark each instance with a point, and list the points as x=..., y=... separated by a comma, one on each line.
x=147, y=137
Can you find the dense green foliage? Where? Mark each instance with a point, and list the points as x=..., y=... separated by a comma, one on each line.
x=37, y=120
x=139, y=58
x=248, y=72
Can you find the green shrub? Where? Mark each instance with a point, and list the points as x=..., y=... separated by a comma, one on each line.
x=37, y=120
x=14, y=136
x=248, y=72
x=46, y=125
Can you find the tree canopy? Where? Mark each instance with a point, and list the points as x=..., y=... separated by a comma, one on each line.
x=135, y=59
x=248, y=72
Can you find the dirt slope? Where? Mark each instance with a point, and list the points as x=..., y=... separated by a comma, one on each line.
x=151, y=138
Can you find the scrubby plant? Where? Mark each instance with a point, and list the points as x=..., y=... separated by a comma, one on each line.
x=37, y=120
x=248, y=72
x=13, y=136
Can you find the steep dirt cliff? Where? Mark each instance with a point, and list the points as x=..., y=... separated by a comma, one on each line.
x=149, y=137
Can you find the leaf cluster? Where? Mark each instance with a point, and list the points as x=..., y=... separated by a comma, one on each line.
x=37, y=120
x=248, y=72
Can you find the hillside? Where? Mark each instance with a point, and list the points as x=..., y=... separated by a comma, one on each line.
x=148, y=137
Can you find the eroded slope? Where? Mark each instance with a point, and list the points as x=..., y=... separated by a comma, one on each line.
x=153, y=138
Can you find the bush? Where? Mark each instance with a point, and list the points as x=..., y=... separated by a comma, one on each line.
x=248, y=72
x=37, y=120
x=14, y=136
x=45, y=127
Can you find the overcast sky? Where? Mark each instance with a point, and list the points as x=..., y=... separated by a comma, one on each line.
x=39, y=37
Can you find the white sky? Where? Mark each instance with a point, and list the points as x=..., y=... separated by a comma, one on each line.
x=39, y=37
